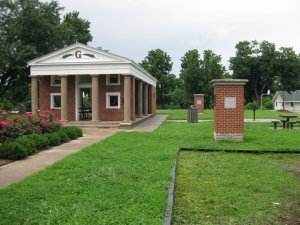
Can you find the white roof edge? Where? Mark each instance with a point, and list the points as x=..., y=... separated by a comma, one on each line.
x=77, y=44
x=142, y=74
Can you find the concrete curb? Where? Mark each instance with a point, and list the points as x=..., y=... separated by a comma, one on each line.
x=170, y=200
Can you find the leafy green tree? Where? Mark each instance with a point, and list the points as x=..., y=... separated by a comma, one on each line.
x=289, y=69
x=256, y=62
x=265, y=68
x=197, y=73
x=158, y=63
x=29, y=29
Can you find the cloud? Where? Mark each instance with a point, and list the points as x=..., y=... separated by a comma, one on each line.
x=132, y=28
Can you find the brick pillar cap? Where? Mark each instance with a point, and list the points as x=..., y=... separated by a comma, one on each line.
x=229, y=82
x=199, y=94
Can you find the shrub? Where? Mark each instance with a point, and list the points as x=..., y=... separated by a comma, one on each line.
x=72, y=132
x=41, y=141
x=12, y=151
x=268, y=105
x=63, y=136
x=54, y=139
x=27, y=143
x=250, y=105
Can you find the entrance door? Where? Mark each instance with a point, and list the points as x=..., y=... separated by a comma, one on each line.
x=85, y=110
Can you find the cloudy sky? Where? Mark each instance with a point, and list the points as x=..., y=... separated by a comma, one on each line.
x=133, y=27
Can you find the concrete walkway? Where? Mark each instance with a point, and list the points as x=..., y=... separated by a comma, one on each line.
x=246, y=120
x=18, y=170
x=150, y=124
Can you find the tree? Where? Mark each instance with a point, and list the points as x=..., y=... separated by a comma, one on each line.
x=158, y=63
x=256, y=62
x=29, y=29
x=265, y=68
x=197, y=73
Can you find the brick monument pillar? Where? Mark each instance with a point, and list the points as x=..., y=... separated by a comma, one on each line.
x=229, y=109
x=199, y=102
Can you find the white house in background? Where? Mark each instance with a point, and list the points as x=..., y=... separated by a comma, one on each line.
x=291, y=101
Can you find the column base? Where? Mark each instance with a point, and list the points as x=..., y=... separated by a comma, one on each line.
x=229, y=137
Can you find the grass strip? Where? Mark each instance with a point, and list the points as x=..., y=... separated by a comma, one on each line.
x=231, y=189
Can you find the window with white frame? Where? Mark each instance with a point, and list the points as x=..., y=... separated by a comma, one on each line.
x=113, y=100
x=55, y=80
x=113, y=79
x=55, y=100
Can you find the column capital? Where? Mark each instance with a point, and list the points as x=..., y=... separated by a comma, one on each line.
x=63, y=75
x=94, y=75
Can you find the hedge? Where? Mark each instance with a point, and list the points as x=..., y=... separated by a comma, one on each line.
x=29, y=144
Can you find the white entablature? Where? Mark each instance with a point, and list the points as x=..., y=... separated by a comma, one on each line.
x=79, y=59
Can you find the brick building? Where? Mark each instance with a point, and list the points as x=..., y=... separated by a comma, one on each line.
x=80, y=82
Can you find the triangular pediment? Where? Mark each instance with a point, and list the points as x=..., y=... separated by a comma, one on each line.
x=78, y=53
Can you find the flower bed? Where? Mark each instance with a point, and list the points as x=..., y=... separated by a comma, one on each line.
x=23, y=135
x=12, y=127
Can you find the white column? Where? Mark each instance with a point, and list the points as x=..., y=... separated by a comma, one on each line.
x=146, y=99
x=140, y=99
x=127, y=98
x=95, y=98
x=34, y=94
x=64, y=98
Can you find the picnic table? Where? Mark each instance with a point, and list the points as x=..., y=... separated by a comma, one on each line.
x=84, y=113
x=287, y=121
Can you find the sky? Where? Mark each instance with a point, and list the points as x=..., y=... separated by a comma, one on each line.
x=131, y=28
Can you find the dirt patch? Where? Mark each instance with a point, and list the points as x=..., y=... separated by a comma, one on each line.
x=4, y=162
x=295, y=169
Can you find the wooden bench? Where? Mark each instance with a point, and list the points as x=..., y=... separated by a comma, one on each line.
x=275, y=122
x=291, y=124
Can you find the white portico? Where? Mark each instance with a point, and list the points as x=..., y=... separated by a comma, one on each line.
x=79, y=82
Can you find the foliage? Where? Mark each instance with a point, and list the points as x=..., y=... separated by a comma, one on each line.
x=250, y=105
x=12, y=151
x=6, y=105
x=29, y=29
x=265, y=68
x=16, y=126
x=197, y=72
x=126, y=177
x=268, y=105
x=28, y=143
x=63, y=136
x=158, y=63
x=53, y=138
x=72, y=132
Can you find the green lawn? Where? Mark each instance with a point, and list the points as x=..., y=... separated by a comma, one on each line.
x=124, y=179
x=181, y=114
x=220, y=188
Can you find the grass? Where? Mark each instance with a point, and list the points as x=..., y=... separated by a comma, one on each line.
x=123, y=179
x=220, y=188
x=181, y=114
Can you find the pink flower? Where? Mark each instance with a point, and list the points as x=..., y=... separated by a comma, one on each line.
x=4, y=123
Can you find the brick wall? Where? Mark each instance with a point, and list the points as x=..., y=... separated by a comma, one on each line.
x=201, y=106
x=44, y=95
x=110, y=114
x=45, y=89
x=228, y=120
x=153, y=100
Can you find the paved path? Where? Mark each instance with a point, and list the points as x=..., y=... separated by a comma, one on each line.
x=245, y=120
x=18, y=170
x=150, y=124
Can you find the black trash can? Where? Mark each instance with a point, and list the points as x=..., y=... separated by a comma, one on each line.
x=192, y=114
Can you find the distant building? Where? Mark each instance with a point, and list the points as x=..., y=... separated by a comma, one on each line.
x=80, y=82
x=287, y=101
